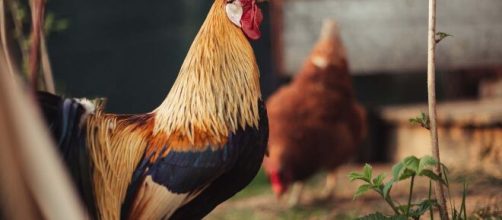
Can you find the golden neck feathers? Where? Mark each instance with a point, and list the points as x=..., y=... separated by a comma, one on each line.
x=217, y=89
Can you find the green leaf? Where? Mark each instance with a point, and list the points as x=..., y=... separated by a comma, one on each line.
x=426, y=162
x=463, y=210
x=380, y=216
x=422, y=120
x=432, y=175
x=441, y=35
x=362, y=189
x=367, y=171
x=397, y=169
x=411, y=163
x=49, y=21
x=379, y=179
x=403, y=208
x=51, y=24
x=423, y=207
x=405, y=169
x=20, y=12
x=415, y=121
x=357, y=176
x=407, y=174
x=386, y=189
x=445, y=171
x=61, y=25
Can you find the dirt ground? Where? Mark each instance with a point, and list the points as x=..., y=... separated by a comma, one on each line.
x=484, y=198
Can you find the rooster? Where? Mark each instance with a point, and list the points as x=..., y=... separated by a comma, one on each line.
x=315, y=122
x=203, y=144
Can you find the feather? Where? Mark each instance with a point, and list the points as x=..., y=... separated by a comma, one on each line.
x=253, y=146
x=178, y=176
x=64, y=117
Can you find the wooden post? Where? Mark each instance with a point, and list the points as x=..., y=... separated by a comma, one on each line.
x=34, y=184
x=431, y=84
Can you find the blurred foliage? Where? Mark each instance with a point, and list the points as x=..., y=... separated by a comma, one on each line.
x=54, y=25
x=378, y=216
x=423, y=120
x=22, y=31
x=487, y=213
x=441, y=35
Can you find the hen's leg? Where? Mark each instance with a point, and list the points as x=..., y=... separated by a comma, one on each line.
x=295, y=194
x=329, y=188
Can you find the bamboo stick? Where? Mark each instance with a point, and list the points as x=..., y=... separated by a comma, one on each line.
x=431, y=84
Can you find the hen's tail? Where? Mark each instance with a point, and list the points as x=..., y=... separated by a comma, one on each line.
x=66, y=120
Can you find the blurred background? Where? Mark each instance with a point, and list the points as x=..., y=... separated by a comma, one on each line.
x=131, y=52
x=134, y=49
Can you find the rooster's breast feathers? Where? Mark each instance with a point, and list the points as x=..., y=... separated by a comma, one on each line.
x=119, y=162
x=174, y=170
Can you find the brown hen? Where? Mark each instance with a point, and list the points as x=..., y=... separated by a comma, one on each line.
x=315, y=122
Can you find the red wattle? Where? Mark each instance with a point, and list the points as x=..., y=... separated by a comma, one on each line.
x=251, y=20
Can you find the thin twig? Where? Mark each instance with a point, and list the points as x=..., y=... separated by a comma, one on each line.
x=389, y=201
x=37, y=16
x=4, y=38
x=410, y=196
x=17, y=21
x=46, y=67
x=431, y=82
x=431, y=210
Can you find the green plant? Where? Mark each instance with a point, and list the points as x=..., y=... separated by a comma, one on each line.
x=441, y=35
x=409, y=168
x=423, y=120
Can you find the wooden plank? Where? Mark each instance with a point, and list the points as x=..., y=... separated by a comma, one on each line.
x=390, y=35
x=481, y=113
